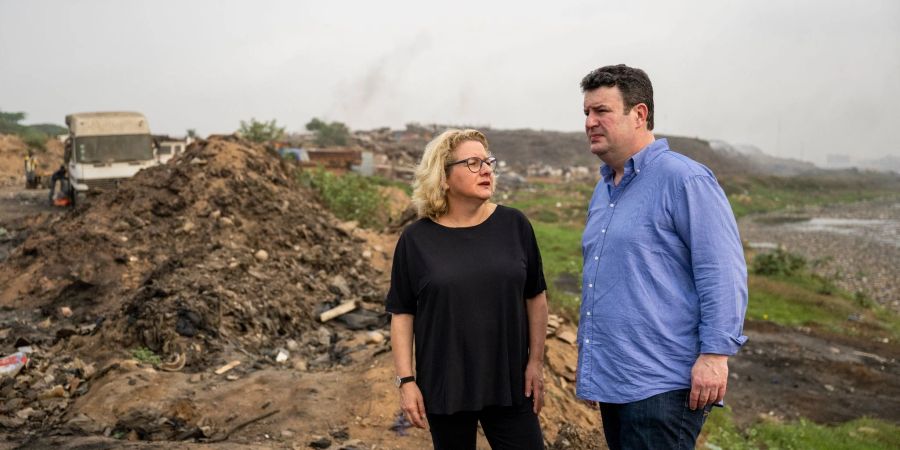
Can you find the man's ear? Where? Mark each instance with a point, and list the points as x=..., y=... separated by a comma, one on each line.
x=641, y=113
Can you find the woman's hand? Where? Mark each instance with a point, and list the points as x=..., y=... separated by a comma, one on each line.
x=412, y=404
x=534, y=384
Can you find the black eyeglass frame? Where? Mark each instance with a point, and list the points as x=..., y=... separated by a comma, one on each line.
x=490, y=161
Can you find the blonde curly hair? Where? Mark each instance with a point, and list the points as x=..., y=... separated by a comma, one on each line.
x=429, y=197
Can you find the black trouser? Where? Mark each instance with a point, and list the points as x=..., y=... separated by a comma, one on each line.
x=663, y=421
x=506, y=428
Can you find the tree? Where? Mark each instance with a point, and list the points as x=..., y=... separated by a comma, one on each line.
x=257, y=131
x=34, y=136
x=192, y=133
x=329, y=134
x=9, y=122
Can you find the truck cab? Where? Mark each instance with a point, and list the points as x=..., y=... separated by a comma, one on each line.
x=104, y=148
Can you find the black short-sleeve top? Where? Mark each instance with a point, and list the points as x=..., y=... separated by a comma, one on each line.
x=467, y=288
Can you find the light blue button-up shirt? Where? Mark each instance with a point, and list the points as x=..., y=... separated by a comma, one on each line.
x=664, y=278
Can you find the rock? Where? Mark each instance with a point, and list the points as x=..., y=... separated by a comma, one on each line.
x=367, y=254
x=292, y=345
x=362, y=319
x=567, y=337
x=324, y=336
x=13, y=404
x=301, y=365
x=320, y=442
x=340, y=434
x=348, y=227
x=339, y=285
x=829, y=388
x=287, y=434
x=374, y=337
x=55, y=392
x=261, y=255
x=282, y=356
x=232, y=377
x=25, y=413
x=65, y=311
x=83, y=423
x=226, y=221
x=353, y=444
x=11, y=422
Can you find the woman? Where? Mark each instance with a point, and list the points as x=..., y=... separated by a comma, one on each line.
x=468, y=288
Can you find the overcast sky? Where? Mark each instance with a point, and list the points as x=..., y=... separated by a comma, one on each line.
x=795, y=78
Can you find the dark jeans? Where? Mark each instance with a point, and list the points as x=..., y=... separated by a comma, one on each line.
x=663, y=421
x=505, y=427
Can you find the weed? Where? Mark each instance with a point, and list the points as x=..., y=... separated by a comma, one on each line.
x=721, y=432
x=349, y=196
x=146, y=356
x=778, y=262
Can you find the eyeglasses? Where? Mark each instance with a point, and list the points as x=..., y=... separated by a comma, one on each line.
x=475, y=164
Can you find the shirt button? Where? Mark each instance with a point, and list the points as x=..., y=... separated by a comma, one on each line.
x=590, y=285
x=587, y=341
x=612, y=205
x=637, y=170
x=603, y=230
x=589, y=313
x=596, y=258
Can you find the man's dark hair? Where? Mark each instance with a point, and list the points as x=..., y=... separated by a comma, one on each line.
x=632, y=82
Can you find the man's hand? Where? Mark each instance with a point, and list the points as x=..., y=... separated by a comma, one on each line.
x=534, y=383
x=709, y=377
x=412, y=404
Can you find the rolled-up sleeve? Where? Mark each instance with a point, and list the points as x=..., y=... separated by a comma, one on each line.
x=705, y=223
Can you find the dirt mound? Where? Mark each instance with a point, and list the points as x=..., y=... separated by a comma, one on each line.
x=219, y=249
x=12, y=162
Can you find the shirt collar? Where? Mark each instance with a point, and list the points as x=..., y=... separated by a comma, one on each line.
x=640, y=159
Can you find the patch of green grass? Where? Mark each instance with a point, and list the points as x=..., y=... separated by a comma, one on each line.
x=860, y=434
x=146, y=356
x=799, y=301
x=561, y=254
x=348, y=196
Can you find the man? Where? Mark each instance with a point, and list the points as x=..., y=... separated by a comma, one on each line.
x=60, y=176
x=30, y=169
x=665, y=281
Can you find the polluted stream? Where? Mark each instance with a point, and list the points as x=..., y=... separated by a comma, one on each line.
x=856, y=245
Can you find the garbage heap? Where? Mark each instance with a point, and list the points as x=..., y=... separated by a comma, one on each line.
x=218, y=251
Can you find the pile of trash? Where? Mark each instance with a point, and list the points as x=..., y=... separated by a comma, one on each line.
x=219, y=251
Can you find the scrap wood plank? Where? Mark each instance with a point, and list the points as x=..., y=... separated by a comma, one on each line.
x=227, y=367
x=338, y=310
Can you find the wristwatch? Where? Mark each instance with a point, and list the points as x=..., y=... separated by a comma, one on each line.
x=401, y=381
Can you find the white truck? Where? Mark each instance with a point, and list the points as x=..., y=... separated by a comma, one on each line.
x=104, y=148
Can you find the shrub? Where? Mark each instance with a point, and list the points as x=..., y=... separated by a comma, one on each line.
x=257, y=131
x=329, y=134
x=349, y=196
x=779, y=262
